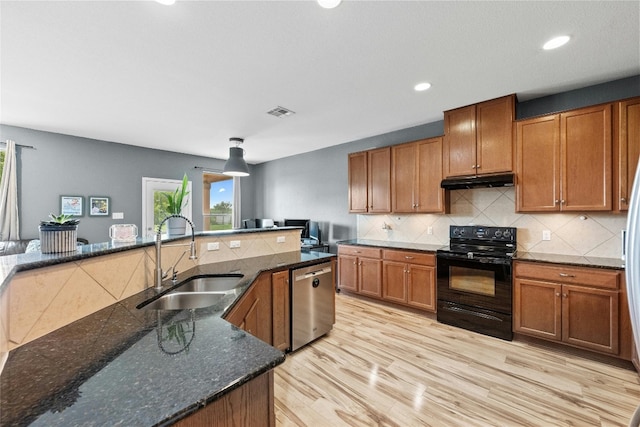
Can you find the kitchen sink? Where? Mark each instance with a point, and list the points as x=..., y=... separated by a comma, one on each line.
x=184, y=301
x=211, y=283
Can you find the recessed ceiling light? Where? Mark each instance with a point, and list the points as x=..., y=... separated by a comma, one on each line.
x=166, y=2
x=422, y=86
x=329, y=4
x=556, y=42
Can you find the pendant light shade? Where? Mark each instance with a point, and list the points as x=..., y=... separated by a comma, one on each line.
x=236, y=166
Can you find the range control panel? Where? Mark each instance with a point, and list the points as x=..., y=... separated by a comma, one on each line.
x=478, y=232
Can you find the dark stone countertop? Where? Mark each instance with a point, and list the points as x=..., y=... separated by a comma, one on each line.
x=11, y=264
x=578, y=261
x=110, y=368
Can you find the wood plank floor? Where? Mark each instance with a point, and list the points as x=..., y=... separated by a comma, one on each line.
x=386, y=366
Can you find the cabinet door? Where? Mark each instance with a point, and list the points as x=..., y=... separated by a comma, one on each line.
x=421, y=287
x=460, y=141
x=394, y=286
x=348, y=272
x=252, y=312
x=586, y=150
x=537, y=309
x=281, y=313
x=494, y=140
x=429, y=195
x=358, y=163
x=538, y=164
x=628, y=133
x=379, y=194
x=590, y=318
x=403, y=177
x=370, y=277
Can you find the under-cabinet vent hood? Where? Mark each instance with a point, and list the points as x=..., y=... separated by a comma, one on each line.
x=498, y=180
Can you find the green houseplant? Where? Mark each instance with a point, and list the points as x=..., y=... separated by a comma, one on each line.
x=58, y=234
x=175, y=202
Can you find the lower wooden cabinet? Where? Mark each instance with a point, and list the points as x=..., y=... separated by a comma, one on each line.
x=577, y=306
x=281, y=313
x=253, y=313
x=403, y=277
x=409, y=278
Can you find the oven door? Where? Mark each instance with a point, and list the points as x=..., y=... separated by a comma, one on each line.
x=481, y=282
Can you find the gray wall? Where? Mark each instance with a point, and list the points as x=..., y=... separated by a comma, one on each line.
x=69, y=165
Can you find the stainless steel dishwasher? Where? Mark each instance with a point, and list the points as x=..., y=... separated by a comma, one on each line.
x=312, y=303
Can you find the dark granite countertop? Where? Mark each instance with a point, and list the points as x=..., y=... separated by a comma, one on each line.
x=578, y=261
x=392, y=245
x=11, y=264
x=111, y=368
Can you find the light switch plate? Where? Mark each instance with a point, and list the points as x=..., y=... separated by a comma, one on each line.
x=117, y=215
x=234, y=244
x=280, y=239
x=546, y=234
x=213, y=246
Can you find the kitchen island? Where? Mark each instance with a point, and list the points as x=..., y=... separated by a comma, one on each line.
x=122, y=365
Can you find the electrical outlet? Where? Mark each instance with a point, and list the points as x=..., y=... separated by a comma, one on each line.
x=280, y=239
x=117, y=215
x=429, y=230
x=546, y=234
x=234, y=244
x=213, y=246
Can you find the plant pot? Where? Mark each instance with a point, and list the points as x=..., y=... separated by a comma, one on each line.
x=58, y=238
x=176, y=227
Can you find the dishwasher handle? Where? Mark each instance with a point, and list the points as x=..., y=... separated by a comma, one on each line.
x=314, y=273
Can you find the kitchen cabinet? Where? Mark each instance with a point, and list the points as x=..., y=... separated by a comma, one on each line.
x=479, y=138
x=370, y=181
x=409, y=278
x=360, y=270
x=627, y=140
x=573, y=305
x=253, y=312
x=281, y=317
x=416, y=173
x=564, y=161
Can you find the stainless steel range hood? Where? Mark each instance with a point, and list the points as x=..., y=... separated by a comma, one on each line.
x=479, y=181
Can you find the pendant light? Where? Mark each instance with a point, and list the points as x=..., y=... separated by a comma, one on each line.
x=236, y=166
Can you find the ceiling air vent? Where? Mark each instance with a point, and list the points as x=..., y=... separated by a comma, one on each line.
x=280, y=112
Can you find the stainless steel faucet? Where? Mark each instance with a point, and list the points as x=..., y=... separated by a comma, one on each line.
x=160, y=275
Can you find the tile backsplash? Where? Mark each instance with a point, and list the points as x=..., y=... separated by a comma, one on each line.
x=577, y=233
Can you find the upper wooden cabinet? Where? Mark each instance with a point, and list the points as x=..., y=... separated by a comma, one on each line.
x=370, y=181
x=627, y=127
x=564, y=161
x=416, y=173
x=479, y=138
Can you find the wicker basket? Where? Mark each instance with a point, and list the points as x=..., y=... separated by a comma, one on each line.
x=58, y=238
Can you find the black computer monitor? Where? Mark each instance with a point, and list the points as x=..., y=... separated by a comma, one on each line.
x=299, y=223
x=314, y=231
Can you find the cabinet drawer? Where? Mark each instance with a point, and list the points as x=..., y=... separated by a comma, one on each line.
x=571, y=275
x=409, y=257
x=360, y=251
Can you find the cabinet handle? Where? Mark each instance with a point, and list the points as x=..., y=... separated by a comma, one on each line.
x=555, y=202
x=557, y=294
x=477, y=166
x=408, y=257
x=360, y=263
x=566, y=275
x=623, y=199
x=563, y=202
x=564, y=295
x=355, y=263
x=474, y=166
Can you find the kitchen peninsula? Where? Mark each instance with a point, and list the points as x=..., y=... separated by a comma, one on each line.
x=129, y=366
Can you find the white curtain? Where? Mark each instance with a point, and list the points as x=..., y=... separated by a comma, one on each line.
x=237, y=215
x=9, y=223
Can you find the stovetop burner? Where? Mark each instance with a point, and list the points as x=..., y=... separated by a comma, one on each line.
x=485, y=241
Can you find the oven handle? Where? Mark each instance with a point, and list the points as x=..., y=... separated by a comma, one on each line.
x=470, y=312
x=477, y=259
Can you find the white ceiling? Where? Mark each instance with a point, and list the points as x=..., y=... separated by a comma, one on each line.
x=188, y=77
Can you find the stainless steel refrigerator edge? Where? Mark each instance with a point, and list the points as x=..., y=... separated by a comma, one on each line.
x=632, y=271
x=312, y=303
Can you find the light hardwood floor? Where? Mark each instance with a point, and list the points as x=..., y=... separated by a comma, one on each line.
x=386, y=366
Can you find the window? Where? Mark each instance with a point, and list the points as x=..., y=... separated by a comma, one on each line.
x=154, y=203
x=2, y=150
x=217, y=201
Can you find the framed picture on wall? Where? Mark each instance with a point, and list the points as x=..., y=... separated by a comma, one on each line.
x=98, y=206
x=72, y=205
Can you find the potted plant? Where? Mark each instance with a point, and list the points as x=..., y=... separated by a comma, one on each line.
x=175, y=202
x=58, y=234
